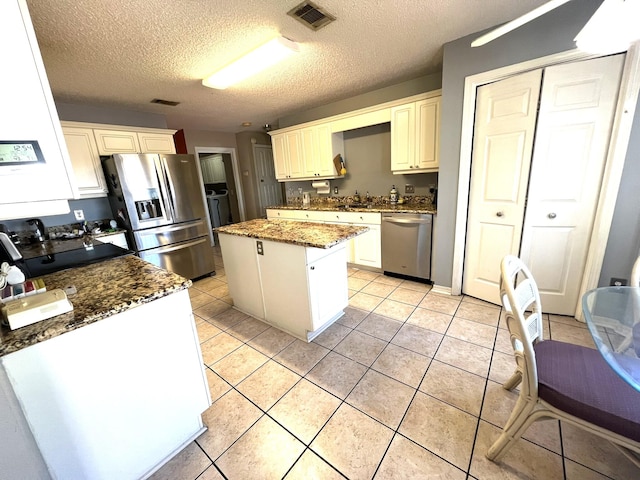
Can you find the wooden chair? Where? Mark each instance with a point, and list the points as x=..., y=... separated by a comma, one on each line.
x=560, y=380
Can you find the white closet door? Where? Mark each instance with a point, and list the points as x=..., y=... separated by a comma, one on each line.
x=578, y=101
x=503, y=142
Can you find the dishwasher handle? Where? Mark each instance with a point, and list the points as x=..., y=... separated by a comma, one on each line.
x=407, y=220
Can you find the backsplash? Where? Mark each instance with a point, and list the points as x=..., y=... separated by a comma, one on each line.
x=374, y=200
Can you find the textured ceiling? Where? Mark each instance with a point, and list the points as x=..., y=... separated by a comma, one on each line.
x=124, y=53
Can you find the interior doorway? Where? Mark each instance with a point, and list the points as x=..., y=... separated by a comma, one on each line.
x=222, y=184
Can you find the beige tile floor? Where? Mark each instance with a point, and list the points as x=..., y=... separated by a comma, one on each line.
x=406, y=385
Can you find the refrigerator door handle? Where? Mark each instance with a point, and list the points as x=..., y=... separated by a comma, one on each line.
x=167, y=184
x=180, y=246
x=165, y=203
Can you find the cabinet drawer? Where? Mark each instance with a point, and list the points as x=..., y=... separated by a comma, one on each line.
x=283, y=214
x=356, y=218
x=309, y=216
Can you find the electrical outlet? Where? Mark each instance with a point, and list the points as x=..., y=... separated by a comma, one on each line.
x=335, y=190
x=79, y=214
x=618, y=282
x=409, y=189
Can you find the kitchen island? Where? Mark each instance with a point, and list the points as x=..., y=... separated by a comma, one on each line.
x=112, y=389
x=289, y=274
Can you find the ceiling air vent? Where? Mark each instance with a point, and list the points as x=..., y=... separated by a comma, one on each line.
x=311, y=15
x=165, y=102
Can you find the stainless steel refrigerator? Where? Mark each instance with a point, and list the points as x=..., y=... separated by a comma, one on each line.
x=159, y=199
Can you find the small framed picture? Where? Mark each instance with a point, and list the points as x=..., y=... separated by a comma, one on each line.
x=20, y=152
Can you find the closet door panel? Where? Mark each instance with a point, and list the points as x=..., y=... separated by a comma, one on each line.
x=577, y=105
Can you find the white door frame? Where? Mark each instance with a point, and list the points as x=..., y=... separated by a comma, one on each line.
x=620, y=133
x=236, y=172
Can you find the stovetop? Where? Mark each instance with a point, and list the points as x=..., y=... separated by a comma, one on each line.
x=61, y=260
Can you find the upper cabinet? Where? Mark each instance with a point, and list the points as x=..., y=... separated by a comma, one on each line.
x=29, y=115
x=87, y=141
x=85, y=160
x=415, y=136
x=212, y=167
x=306, y=153
x=134, y=140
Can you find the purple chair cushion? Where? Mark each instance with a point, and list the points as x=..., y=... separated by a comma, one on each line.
x=577, y=380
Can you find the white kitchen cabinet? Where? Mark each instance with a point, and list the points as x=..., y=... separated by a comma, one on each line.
x=156, y=142
x=302, y=215
x=287, y=155
x=284, y=214
x=365, y=249
x=93, y=405
x=213, y=169
x=29, y=114
x=118, y=238
x=306, y=153
x=301, y=290
x=415, y=136
x=85, y=159
x=318, y=152
x=132, y=140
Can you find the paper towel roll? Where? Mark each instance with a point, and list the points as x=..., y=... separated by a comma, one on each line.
x=322, y=186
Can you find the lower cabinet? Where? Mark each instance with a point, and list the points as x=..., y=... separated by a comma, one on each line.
x=302, y=290
x=94, y=406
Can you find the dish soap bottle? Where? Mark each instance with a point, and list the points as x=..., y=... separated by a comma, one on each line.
x=393, y=195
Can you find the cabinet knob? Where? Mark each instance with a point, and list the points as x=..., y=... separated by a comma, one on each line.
x=410, y=166
x=500, y=214
x=313, y=268
x=552, y=215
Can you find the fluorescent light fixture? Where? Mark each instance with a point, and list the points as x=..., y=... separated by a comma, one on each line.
x=513, y=24
x=253, y=62
x=612, y=28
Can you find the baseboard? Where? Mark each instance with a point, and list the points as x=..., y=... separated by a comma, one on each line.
x=441, y=289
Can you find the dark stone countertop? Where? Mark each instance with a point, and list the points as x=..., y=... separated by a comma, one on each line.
x=103, y=289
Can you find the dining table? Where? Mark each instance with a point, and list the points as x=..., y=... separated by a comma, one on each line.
x=613, y=317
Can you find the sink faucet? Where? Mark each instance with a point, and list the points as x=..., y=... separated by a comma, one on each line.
x=39, y=232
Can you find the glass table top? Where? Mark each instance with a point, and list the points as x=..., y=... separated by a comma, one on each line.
x=613, y=317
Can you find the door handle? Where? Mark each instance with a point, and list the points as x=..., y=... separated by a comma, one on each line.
x=552, y=215
x=500, y=214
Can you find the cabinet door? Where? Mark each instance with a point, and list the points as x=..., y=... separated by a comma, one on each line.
x=85, y=159
x=293, y=141
x=116, y=141
x=428, y=133
x=309, y=151
x=28, y=113
x=324, y=151
x=280, y=156
x=328, y=289
x=156, y=143
x=367, y=248
x=403, y=128
x=243, y=273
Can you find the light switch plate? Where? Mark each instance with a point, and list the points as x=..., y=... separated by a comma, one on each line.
x=409, y=189
x=79, y=214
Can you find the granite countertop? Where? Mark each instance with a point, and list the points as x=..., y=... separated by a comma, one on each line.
x=306, y=234
x=103, y=289
x=374, y=208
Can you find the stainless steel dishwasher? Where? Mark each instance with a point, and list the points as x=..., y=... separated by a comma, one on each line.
x=406, y=244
